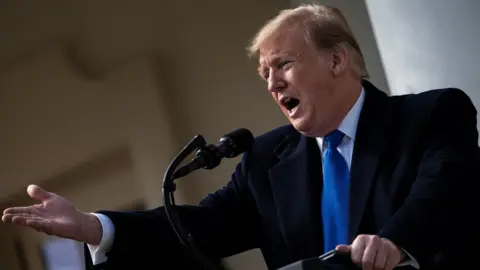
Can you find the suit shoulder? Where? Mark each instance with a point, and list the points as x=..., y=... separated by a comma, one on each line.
x=262, y=153
x=433, y=99
x=436, y=107
x=436, y=95
x=452, y=96
x=272, y=138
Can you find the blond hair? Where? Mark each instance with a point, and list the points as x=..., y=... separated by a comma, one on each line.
x=324, y=27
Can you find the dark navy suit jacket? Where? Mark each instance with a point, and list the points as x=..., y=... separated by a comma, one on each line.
x=413, y=169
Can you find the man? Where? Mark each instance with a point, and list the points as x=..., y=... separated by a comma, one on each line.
x=375, y=176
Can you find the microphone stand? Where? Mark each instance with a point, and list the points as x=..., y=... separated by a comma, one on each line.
x=186, y=239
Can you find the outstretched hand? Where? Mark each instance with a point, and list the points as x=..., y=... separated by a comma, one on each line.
x=55, y=215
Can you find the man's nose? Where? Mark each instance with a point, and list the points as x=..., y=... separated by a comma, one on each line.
x=275, y=82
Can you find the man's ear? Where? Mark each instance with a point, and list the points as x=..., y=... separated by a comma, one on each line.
x=339, y=58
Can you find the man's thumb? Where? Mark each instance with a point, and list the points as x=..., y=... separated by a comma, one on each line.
x=343, y=248
x=38, y=193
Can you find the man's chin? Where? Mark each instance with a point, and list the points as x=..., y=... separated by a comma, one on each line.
x=306, y=128
x=302, y=127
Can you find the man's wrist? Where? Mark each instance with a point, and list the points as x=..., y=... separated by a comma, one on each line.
x=92, y=229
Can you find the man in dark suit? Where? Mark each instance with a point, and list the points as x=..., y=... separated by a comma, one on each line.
x=386, y=179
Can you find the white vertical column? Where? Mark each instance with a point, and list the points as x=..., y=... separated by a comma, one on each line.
x=427, y=44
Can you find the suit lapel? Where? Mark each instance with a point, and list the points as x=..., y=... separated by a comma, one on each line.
x=296, y=183
x=370, y=142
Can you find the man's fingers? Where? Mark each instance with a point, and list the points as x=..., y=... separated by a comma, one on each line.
x=393, y=258
x=19, y=219
x=381, y=259
x=39, y=225
x=9, y=217
x=33, y=222
x=391, y=263
x=38, y=193
x=369, y=256
x=357, y=250
x=19, y=210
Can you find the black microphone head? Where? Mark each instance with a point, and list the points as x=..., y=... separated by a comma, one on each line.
x=238, y=141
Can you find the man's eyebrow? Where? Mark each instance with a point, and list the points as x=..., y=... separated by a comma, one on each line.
x=272, y=60
x=275, y=59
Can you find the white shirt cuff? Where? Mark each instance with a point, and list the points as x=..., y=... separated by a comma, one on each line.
x=99, y=253
x=410, y=260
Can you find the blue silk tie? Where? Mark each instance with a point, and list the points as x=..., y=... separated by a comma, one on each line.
x=335, y=193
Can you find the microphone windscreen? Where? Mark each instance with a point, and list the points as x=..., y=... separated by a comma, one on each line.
x=240, y=140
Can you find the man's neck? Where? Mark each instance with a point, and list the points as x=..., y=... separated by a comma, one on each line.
x=348, y=96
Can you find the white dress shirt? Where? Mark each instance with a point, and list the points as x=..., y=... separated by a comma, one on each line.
x=348, y=127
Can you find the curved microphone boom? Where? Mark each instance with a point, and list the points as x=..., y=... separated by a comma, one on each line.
x=208, y=156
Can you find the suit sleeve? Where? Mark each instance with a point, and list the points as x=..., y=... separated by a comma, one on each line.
x=222, y=225
x=437, y=215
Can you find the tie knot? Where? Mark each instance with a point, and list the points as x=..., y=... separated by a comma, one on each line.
x=334, y=138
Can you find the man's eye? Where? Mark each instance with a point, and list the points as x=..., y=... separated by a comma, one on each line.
x=266, y=74
x=281, y=64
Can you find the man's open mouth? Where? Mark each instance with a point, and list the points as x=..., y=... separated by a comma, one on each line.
x=289, y=103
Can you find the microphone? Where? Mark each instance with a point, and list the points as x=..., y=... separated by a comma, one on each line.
x=209, y=156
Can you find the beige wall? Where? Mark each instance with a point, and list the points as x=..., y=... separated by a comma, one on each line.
x=97, y=96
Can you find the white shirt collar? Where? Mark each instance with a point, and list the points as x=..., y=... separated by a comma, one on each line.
x=349, y=124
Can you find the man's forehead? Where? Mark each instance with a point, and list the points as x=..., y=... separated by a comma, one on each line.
x=267, y=55
x=281, y=45
x=272, y=54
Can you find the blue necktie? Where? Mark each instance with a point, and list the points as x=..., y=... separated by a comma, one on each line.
x=335, y=193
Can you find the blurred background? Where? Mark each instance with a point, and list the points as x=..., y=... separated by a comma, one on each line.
x=96, y=97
